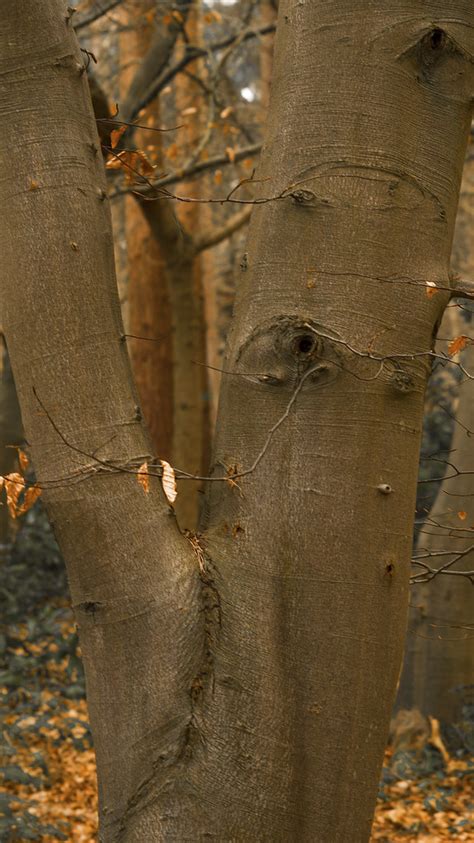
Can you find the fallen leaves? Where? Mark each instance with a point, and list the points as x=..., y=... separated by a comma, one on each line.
x=430, y=808
x=434, y=808
x=69, y=801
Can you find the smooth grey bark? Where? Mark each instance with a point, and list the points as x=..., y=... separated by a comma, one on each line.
x=240, y=687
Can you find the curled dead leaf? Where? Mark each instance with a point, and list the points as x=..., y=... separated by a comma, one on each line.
x=20, y=497
x=14, y=486
x=31, y=495
x=462, y=515
x=143, y=477
x=115, y=135
x=436, y=740
x=168, y=481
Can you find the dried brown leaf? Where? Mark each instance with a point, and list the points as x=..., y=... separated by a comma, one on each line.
x=115, y=135
x=168, y=481
x=143, y=477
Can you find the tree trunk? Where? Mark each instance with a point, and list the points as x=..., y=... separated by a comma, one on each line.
x=11, y=437
x=439, y=653
x=190, y=406
x=241, y=689
x=181, y=265
x=148, y=298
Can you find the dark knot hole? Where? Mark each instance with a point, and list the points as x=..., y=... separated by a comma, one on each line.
x=437, y=39
x=305, y=344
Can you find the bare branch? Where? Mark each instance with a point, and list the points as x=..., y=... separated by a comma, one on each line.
x=216, y=235
x=463, y=290
x=192, y=53
x=192, y=171
x=154, y=63
x=99, y=10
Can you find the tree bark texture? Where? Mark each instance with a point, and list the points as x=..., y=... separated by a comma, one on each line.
x=439, y=654
x=240, y=684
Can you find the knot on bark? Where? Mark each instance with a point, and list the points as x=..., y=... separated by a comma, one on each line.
x=303, y=197
x=402, y=381
x=286, y=350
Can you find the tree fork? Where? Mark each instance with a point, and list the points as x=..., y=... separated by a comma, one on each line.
x=240, y=687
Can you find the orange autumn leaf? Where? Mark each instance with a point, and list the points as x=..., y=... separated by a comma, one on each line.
x=14, y=485
x=431, y=289
x=23, y=460
x=457, y=344
x=143, y=477
x=168, y=481
x=115, y=135
x=462, y=515
x=134, y=163
x=230, y=154
x=20, y=497
x=31, y=495
x=218, y=176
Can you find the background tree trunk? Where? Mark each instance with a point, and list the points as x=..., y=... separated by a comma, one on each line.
x=440, y=653
x=240, y=687
x=148, y=299
x=11, y=434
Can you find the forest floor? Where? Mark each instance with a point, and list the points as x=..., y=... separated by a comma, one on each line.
x=47, y=764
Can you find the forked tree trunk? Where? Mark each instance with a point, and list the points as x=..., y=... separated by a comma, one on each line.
x=243, y=691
